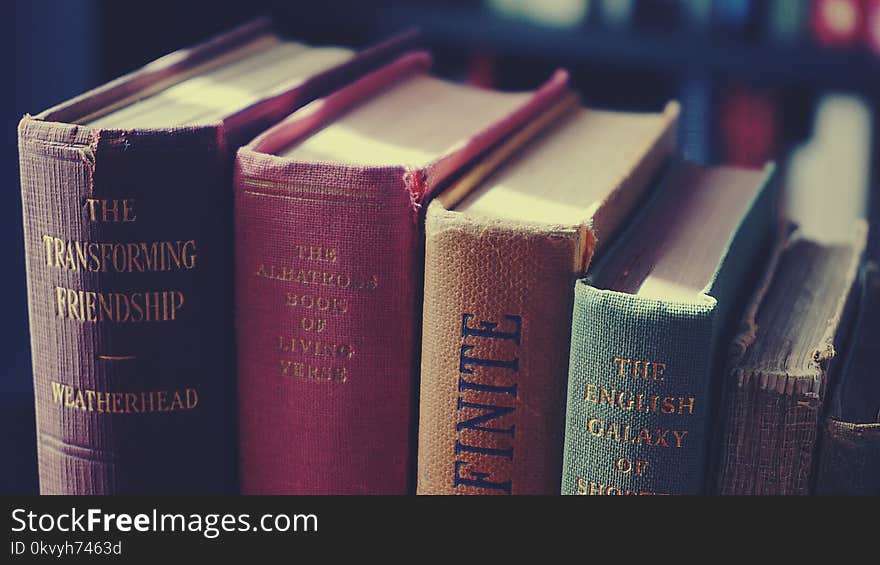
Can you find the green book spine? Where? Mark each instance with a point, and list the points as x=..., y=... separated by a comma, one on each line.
x=641, y=372
x=637, y=394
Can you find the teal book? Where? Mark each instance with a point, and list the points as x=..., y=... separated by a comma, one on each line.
x=648, y=327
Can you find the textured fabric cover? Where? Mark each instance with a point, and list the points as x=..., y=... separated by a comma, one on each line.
x=180, y=182
x=687, y=338
x=343, y=423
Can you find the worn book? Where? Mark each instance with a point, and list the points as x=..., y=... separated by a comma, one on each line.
x=502, y=253
x=648, y=327
x=329, y=271
x=127, y=199
x=849, y=437
x=782, y=365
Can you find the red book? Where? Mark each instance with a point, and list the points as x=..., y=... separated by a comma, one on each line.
x=872, y=25
x=838, y=23
x=329, y=256
x=748, y=126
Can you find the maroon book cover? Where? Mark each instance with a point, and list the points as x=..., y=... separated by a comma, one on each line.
x=128, y=244
x=328, y=291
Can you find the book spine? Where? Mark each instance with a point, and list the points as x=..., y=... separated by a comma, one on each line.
x=127, y=238
x=769, y=434
x=494, y=354
x=849, y=459
x=328, y=267
x=638, y=394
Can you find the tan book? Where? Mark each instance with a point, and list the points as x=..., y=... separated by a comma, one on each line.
x=502, y=254
x=783, y=365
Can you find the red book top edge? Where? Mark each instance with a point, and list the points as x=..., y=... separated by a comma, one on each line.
x=256, y=158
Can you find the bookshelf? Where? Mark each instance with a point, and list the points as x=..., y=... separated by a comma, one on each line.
x=679, y=52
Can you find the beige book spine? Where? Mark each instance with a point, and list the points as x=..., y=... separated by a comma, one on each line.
x=497, y=320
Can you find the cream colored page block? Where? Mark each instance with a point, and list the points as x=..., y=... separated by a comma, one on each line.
x=568, y=169
x=678, y=247
x=411, y=123
x=222, y=90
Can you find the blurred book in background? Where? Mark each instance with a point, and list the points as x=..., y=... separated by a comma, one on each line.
x=786, y=20
x=838, y=23
x=748, y=126
x=556, y=13
x=828, y=176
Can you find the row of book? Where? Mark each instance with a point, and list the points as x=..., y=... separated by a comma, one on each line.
x=828, y=23
x=263, y=267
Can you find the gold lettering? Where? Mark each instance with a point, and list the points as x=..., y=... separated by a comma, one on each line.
x=162, y=396
x=128, y=210
x=638, y=368
x=309, y=277
x=306, y=371
x=117, y=401
x=58, y=390
x=101, y=401
x=320, y=303
x=587, y=487
x=619, y=361
x=88, y=400
x=316, y=325
x=90, y=206
x=192, y=398
x=91, y=306
x=657, y=370
x=686, y=403
x=644, y=437
x=590, y=394
x=302, y=346
x=132, y=257
x=316, y=253
x=594, y=425
x=638, y=402
x=110, y=210
x=679, y=437
x=624, y=433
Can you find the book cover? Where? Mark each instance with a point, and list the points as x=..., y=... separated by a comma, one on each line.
x=501, y=259
x=645, y=345
x=128, y=244
x=782, y=365
x=849, y=437
x=328, y=272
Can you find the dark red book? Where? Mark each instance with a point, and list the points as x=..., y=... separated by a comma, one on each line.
x=872, y=25
x=748, y=126
x=127, y=198
x=329, y=259
x=838, y=23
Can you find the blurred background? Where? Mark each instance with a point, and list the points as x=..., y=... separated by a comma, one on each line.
x=797, y=81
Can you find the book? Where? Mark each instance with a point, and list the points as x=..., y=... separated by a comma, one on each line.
x=648, y=326
x=838, y=154
x=127, y=204
x=748, y=126
x=838, y=23
x=502, y=254
x=782, y=364
x=328, y=271
x=849, y=437
x=786, y=22
x=871, y=30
